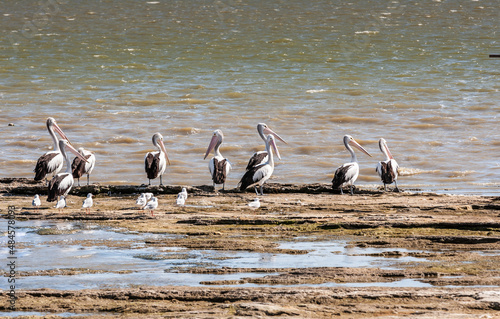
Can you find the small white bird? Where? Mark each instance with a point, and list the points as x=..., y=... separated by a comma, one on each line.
x=36, y=202
x=254, y=204
x=181, y=197
x=152, y=205
x=61, y=203
x=88, y=202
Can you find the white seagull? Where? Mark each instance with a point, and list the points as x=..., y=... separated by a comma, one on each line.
x=61, y=203
x=218, y=166
x=259, y=174
x=387, y=169
x=156, y=162
x=88, y=202
x=36, y=202
x=152, y=205
x=254, y=204
x=52, y=161
x=261, y=157
x=347, y=173
x=181, y=197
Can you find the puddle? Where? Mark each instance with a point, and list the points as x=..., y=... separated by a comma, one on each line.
x=123, y=259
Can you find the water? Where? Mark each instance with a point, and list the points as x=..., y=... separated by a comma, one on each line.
x=117, y=258
x=114, y=73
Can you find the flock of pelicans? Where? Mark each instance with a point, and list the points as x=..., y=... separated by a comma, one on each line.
x=259, y=169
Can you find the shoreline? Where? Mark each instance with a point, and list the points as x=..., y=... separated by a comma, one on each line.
x=458, y=236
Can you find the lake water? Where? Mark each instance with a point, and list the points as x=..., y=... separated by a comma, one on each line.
x=113, y=73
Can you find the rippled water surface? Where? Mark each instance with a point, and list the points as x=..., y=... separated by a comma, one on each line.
x=114, y=72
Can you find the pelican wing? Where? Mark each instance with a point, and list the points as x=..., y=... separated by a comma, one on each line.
x=59, y=185
x=344, y=174
x=152, y=164
x=47, y=163
x=79, y=167
x=257, y=159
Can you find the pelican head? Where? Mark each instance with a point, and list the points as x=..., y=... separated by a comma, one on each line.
x=217, y=139
x=349, y=140
x=382, y=144
x=158, y=143
x=272, y=142
x=263, y=130
x=52, y=126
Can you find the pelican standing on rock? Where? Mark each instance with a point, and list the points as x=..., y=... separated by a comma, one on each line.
x=156, y=162
x=218, y=166
x=260, y=157
x=61, y=184
x=79, y=167
x=52, y=161
x=347, y=173
x=387, y=169
x=259, y=174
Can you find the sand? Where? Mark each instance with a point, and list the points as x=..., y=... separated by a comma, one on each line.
x=453, y=230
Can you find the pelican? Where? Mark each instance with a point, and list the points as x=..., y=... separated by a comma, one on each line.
x=52, y=161
x=88, y=202
x=260, y=157
x=181, y=197
x=347, y=173
x=218, y=166
x=79, y=167
x=152, y=205
x=388, y=169
x=36, y=202
x=156, y=162
x=61, y=184
x=259, y=174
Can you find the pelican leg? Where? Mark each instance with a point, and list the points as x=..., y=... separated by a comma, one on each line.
x=256, y=191
x=397, y=188
x=341, y=191
x=352, y=193
x=161, y=181
x=88, y=179
x=149, y=183
x=78, y=182
x=385, y=187
x=262, y=190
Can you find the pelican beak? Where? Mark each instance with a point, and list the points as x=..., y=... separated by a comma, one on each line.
x=212, y=144
x=74, y=151
x=267, y=130
x=388, y=152
x=60, y=132
x=273, y=144
x=359, y=147
x=162, y=146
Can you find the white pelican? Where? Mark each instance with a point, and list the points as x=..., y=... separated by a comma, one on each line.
x=36, y=202
x=347, y=173
x=88, y=202
x=259, y=174
x=254, y=204
x=61, y=203
x=156, y=162
x=218, y=166
x=52, y=161
x=61, y=184
x=388, y=169
x=181, y=197
x=79, y=167
x=152, y=205
x=260, y=157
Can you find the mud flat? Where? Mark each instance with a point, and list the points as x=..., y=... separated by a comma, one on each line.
x=457, y=239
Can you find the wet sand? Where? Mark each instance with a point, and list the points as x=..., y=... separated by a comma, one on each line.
x=459, y=234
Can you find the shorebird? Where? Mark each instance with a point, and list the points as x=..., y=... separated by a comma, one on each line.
x=79, y=167
x=218, y=166
x=61, y=203
x=261, y=157
x=141, y=201
x=152, y=205
x=88, y=202
x=61, y=183
x=181, y=197
x=254, y=204
x=36, y=202
x=259, y=174
x=52, y=161
x=347, y=173
x=156, y=162
x=387, y=169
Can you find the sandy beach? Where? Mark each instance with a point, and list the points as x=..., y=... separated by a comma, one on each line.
x=452, y=229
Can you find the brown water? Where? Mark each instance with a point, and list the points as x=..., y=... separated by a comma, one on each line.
x=115, y=72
